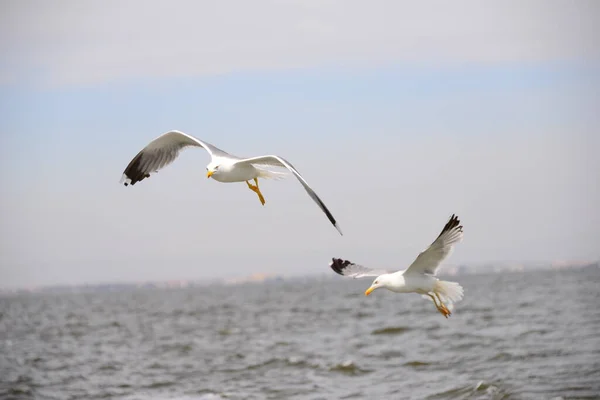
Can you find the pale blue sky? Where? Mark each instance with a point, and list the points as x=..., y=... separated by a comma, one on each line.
x=499, y=126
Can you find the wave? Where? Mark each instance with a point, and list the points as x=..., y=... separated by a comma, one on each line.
x=349, y=368
x=480, y=390
x=392, y=330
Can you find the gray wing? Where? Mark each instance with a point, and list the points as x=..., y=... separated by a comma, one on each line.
x=161, y=152
x=428, y=261
x=349, y=269
x=277, y=161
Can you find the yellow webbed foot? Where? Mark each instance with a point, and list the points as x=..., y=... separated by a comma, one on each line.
x=444, y=311
x=441, y=307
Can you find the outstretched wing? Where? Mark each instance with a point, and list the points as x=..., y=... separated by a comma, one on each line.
x=349, y=269
x=428, y=261
x=161, y=152
x=277, y=161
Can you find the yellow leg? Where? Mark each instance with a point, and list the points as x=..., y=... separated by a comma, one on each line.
x=440, y=306
x=256, y=190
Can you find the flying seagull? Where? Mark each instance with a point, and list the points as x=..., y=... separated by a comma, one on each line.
x=223, y=167
x=419, y=277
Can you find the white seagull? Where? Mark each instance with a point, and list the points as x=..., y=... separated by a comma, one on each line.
x=223, y=167
x=419, y=277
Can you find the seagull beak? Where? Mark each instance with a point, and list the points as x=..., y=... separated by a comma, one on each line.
x=209, y=174
x=369, y=290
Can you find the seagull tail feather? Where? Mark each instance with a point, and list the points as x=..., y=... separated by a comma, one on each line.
x=266, y=174
x=450, y=292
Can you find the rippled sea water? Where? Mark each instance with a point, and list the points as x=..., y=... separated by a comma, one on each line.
x=529, y=335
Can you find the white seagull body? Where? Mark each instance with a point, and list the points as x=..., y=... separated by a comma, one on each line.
x=419, y=277
x=223, y=166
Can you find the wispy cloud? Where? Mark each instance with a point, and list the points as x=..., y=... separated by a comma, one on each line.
x=73, y=42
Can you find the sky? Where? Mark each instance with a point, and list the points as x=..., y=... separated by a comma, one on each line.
x=398, y=114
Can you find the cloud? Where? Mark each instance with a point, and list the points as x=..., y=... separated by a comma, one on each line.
x=72, y=42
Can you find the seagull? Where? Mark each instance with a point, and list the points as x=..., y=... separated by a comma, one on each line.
x=223, y=167
x=419, y=277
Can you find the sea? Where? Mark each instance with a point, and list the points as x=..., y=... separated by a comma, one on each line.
x=521, y=335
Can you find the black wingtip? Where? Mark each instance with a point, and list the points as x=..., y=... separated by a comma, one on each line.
x=134, y=171
x=327, y=212
x=338, y=265
x=452, y=223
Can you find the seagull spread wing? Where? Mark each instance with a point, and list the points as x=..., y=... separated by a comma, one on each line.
x=349, y=269
x=161, y=152
x=428, y=261
x=276, y=161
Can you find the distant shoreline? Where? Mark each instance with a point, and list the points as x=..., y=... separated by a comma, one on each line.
x=259, y=278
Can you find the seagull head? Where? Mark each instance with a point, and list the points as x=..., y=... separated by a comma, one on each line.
x=211, y=170
x=379, y=282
